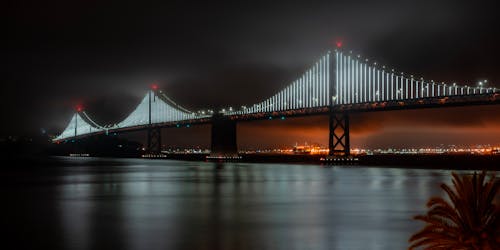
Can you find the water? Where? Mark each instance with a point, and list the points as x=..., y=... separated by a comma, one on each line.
x=161, y=204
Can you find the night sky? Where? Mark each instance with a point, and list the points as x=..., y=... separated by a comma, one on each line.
x=106, y=54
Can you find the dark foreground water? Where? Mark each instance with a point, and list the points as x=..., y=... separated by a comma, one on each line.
x=161, y=204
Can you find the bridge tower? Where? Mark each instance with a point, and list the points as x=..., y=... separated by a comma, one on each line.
x=223, y=137
x=339, y=142
x=154, y=132
x=338, y=138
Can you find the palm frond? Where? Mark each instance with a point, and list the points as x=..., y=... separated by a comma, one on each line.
x=469, y=221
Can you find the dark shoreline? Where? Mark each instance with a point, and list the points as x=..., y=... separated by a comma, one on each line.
x=489, y=162
x=457, y=162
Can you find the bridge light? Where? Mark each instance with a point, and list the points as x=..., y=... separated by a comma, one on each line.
x=282, y=118
x=270, y=117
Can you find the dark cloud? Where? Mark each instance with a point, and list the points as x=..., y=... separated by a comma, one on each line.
x=209, y=54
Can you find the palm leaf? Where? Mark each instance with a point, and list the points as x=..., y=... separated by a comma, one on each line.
x=469, y=221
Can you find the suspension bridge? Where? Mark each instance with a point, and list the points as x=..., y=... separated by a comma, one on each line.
x=337, y=85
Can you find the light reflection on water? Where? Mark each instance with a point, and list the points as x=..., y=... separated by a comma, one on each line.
x=162, y=204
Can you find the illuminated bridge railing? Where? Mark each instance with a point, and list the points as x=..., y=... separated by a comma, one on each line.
x=339, y=79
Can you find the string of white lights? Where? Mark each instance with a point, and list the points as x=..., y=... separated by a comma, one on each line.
x=77, y=126
x=356, y=81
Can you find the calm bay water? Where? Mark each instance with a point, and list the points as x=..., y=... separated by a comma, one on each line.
x=94, y=203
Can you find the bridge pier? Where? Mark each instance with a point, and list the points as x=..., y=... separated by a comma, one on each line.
x=154, y=140
x=223, y=136
x=339, y=142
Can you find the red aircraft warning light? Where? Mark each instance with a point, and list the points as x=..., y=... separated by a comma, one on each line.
x=79, y=108
x=338, y=43
x=154, y=86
